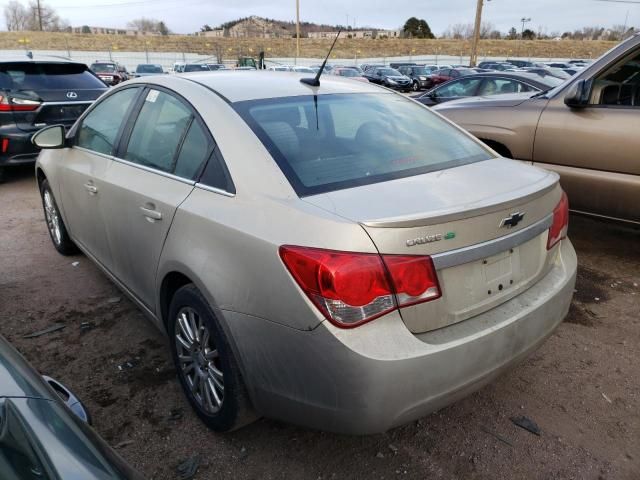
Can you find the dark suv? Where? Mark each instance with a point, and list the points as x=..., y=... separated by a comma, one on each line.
x=111, y=73
x=38, y=92
x=419, y=76
x=388, y=77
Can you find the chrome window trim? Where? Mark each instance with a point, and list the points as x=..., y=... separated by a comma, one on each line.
x=214, y=190
x=482, y=250
x=154, y=170
x=92, y=152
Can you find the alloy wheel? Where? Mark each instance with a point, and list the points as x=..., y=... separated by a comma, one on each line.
x=199, y=360
x=52, y=217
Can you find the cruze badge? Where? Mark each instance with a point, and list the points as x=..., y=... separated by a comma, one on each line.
x=512, y=220
x=430, y=239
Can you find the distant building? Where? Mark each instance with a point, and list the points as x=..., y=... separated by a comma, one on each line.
x=111, y=31
x=217, y=33
x=369, y=33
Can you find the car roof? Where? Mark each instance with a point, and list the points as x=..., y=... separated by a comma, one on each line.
x=37, y=59
x=237, y=86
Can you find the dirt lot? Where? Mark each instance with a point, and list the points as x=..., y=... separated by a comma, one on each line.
x=582, y=387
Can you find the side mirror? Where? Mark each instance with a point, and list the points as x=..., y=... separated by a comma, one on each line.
x=49, y=137
x=578, y=95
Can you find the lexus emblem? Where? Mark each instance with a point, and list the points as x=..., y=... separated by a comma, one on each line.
x=512, y=220
x=72, y=95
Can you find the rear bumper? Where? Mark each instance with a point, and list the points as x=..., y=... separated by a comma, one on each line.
x=20, y=150
x=378, y=376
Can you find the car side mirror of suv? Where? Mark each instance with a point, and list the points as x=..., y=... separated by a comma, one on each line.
x=50, y=137
x=578, y=95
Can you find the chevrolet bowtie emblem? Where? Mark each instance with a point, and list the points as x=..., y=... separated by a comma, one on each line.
x=512, y=220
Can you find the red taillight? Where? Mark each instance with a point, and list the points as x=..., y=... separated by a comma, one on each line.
x=414, y=278
x=5, y=145
x=9, y=104
x=353, y=288
x=560, y=224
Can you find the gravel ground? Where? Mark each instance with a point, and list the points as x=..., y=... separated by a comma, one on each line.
x=582, y=387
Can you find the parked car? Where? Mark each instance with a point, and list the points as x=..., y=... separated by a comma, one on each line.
x=147, y=69
x=349, y=73
x=178, y=67
x=354, y=67
x=280, y=68
x=368, y=244
x=487, y=84
x=45, y=431
x=217, y=66
x=367, y=66
x=111, y=73
x=388, y=77
x=419, y=76
x=36, y=92
x=302, y=69
x=195, y=67
x=498, y=66
x=554, y=72
x=560, y=65
x=586, y=130
x=523, y=63
x=397, y=65
x=444, y=75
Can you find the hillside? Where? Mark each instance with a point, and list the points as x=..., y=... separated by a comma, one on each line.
x=309, y=48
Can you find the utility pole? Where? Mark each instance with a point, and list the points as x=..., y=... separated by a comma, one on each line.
x=524, y=20
x=297, y=30
x=39, y=14
x=476, y=34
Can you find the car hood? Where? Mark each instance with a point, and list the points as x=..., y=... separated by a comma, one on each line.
x=17, y=377
x=502, y=100
x=435, y=197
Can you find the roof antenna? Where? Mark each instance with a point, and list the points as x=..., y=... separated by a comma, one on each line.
x=315, y=82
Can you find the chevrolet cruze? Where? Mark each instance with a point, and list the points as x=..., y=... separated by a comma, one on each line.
x=336, y=256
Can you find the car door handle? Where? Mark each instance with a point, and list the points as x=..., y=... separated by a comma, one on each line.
x=91, y=188
x=150, y=212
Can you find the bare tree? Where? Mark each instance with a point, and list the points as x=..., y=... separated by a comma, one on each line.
x=16, y=16
x=149, y=25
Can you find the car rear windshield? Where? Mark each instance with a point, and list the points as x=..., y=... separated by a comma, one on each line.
x=390, y=72
x=47, y=76
x=347, y=72
x=149, y=69
x=196, y=68
x=333, y=142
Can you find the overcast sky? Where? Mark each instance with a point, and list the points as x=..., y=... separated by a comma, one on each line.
x=186, y=16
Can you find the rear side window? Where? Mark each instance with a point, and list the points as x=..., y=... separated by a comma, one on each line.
x=47, y=76
x=195, y=150
x=158, y=131
x=332, y=142
x=100, y=127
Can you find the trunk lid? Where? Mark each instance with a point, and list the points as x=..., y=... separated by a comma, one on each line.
x=458, y=217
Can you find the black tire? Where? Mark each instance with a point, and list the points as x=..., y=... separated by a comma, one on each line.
x=235, y=410
x=1, y=174
x=62, y=242
x=415, y=86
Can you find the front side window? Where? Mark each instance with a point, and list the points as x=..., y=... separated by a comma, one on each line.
x=99, y=129
x=339, y=141
x=158, y=131
x=620, y=84
x=465, y=87
x=498, y=86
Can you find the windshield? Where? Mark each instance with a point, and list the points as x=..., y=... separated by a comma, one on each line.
x=149, y=69
x=347, y=72
x=467, y=71
x=47, y=76
x=390, y=72
x=332, y=142
x=103, y=67
x=420, y=71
